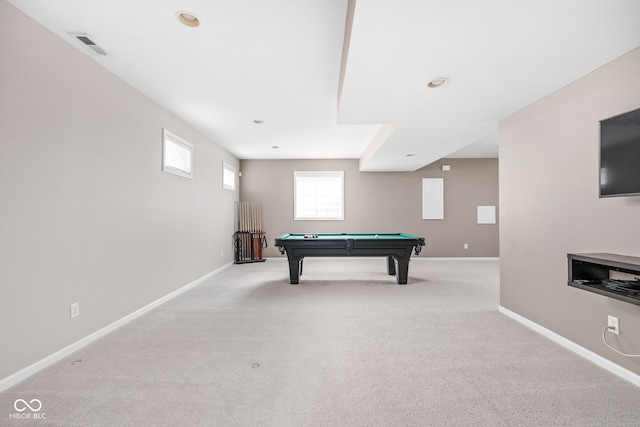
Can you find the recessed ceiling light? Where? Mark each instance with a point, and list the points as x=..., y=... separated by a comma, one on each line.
x=188, y=19
x=439, y=82
x=258, y=121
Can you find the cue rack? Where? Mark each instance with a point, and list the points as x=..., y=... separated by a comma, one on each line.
x=249, y=239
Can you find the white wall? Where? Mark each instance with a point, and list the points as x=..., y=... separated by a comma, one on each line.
x=549, y=207
x=86, y=214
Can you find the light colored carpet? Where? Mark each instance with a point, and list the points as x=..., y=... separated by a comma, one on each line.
x=345, y=347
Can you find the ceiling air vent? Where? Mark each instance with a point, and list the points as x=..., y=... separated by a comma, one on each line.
x=84, y=38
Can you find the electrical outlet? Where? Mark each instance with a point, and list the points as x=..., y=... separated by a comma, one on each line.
x=614, y=325
x=75, y=309
x=466, y=246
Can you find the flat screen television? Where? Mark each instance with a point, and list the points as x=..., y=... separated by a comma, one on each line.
x=620, y=155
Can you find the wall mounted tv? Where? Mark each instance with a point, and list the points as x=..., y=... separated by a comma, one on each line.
x=620, y=155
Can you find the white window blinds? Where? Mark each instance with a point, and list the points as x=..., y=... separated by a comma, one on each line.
x=319, y=195
x=228, y=177
x=177, y=155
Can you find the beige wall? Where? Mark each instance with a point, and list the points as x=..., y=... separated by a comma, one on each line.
x=383, y=202
x=549, y=207
x=86, y=215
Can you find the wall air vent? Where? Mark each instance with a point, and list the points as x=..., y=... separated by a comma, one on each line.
x=84, y=38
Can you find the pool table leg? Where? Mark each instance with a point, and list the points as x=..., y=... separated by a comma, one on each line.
x=295, y=270
x=391, y=266
x=403, y=271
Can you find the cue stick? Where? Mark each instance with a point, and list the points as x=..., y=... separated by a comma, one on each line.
x=249, y=234
x=245, y=217
x=238, y=235
x=245, y=249
x=242, y=243
x=239, y=242
x=235, y=237
x=247, y=228
x=247, y=240
x=256, y=236
x=260, y=230
x=254, y=248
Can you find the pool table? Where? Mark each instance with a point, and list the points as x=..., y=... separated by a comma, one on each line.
x=396, y=247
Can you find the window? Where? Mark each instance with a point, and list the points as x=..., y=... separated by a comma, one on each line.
x=176, y=155
x=228, y=177
x=319, y=195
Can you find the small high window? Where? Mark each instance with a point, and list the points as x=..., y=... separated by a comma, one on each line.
x=177, y=155
x=228, y=177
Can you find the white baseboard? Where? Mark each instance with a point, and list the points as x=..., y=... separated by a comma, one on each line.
x=30, y=370
x=470, y=258
x=615, y=369
x=414, y=258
